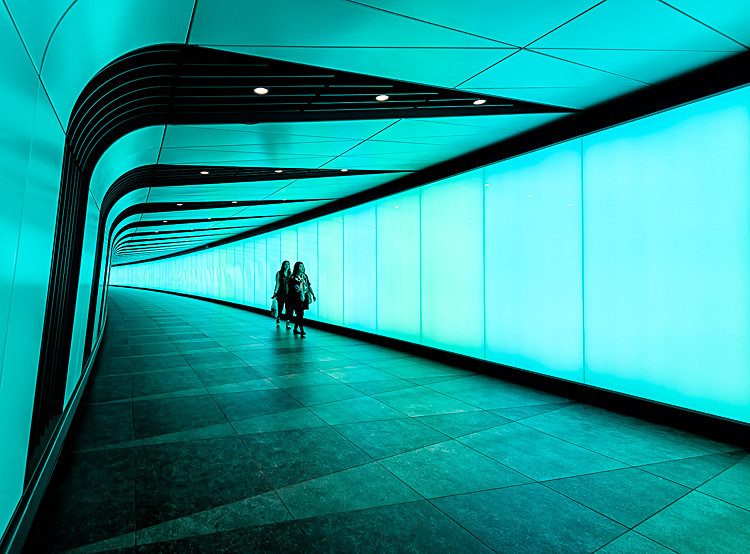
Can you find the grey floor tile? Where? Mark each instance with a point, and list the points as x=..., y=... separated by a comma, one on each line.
x=166, y=477
x=274, y=537
x=450, y=468
x=89, y=499
x=523, y=412
x=151, y=349
x=354, y=410
x=242, y=386
x=294, y=456
x=580, y=425
x=536, y=454
x=321, y=394
x=700, y=523
x=145, y=384
x=358, y=374
x=391, y=436
x=375, y=387
x=693, y=472
x=733, y=485
x=165, y=361
x=249, y=512
x=490, y=394
x=361, y=487
x=243, y=405
x=301, y=418
x=224, y=375
x=306, y=379
x=169, y=415
x=99, y=425
x=629, y=496
x=106, y=388
x=631, y=542
x=463, y=423
x=411, y=527
x=510, y=520
x=421, y=401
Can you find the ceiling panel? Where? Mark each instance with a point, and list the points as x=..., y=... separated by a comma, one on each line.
x=189, y=135
x=444, y=67
x=319, y=23
x=36, y=25
x=731, y=17
x=571, y=97
x=636, y=24
x=93, y=33
x=650, y=66
x=135, y=149
x=516, y=23
x=531, y=69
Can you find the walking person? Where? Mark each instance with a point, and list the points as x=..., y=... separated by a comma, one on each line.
x=301, y=294
x=281, y=293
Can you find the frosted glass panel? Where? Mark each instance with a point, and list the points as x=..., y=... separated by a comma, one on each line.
x=359, y=268
x=261, y=273
x=307, y=246
x=330, y=289
x=533, y=262
x=289, y=246
x=452, y=276
x=667, y=258
x=398, y=282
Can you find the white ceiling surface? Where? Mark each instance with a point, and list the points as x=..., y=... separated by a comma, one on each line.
x=574, y=53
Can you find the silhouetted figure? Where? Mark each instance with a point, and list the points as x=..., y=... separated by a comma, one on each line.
x=301, y=294
x=281, y=292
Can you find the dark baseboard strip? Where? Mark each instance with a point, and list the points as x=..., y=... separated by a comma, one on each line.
x=710, y=426
x=15, y=535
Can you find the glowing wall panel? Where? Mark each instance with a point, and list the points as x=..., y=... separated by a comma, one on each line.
x=307, y=252
x=274, y=259
x=248, y=271
x=261, y=273
x=667, y=257
x=397, y=266
x=289, y=246
x=533, y=262
x=359, y=268
x=330, y=290
x=451, y=259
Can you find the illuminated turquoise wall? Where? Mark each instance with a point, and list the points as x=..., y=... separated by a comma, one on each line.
x=32, y=140
x=620, y=260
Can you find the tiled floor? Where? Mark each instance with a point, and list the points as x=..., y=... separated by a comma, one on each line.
x=208, y=429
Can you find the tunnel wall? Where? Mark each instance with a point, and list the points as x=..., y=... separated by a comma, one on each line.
x=619, y=260
x=32, y=142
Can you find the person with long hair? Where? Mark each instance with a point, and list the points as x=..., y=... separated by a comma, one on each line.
x=302, y=294
x=281, y=293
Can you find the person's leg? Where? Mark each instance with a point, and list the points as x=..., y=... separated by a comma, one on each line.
x=289, y=314
x=296, y=319
x=279, y=314
x=301, y=325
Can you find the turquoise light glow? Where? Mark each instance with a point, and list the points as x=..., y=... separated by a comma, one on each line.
x=533, y=261
x=620, y=260
x=398, y=275
x=359, y=268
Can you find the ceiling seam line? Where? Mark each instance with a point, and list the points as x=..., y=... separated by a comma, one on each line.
x=704, y=24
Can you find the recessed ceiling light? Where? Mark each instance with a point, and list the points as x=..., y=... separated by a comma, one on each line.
x=208, y=218
x=279, y=171
x=179, y=204
x=479, y=101
x=165, y=221
x=486, y=184
x=156, y=231
x=381, y=97
x=204, y=172
x=260, y=90
x=395, y=206
x=531, y=195
x=344, y=170
x=234, y=201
